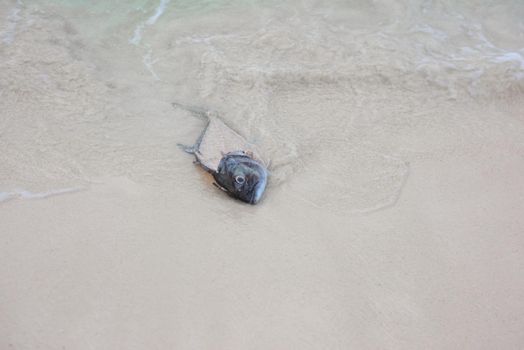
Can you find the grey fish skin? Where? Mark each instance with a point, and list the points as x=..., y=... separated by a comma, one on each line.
x=242, y=177
x=228, y=157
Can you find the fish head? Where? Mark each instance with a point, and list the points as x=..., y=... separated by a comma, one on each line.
x=242, y=177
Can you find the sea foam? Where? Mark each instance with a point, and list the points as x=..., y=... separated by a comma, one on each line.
x=24, y=194
x=137, y=35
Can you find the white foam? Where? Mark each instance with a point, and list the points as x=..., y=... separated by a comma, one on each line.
x=426, y=28
x=8, y=35
x=149, y=62
x=23, y=194
x=137, y=35
x=5, y=196
x=510, y=57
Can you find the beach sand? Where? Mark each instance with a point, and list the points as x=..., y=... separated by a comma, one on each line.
x=393, y=218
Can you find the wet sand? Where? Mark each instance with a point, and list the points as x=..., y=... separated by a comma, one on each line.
x=393, y=219
x=123, y=266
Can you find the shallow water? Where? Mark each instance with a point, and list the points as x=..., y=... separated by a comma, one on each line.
x=354, y=103
x=318, y=86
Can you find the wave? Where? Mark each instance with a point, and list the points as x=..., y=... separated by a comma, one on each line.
x=137, y=35
x=24, y=194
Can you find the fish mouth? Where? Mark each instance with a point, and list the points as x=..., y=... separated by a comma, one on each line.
x=258, y=191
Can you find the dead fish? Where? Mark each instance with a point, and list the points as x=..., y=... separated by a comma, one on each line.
x=234, y=163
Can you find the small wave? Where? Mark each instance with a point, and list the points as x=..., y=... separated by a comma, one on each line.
x=512, y=57
x=23, y=194
x=137, y=35
x=481, y=67
x=509, y=57
x=427, y=29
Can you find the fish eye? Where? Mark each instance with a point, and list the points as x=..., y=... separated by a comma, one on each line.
x=240, y=179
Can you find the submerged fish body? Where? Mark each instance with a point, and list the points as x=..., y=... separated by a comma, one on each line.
x=234, y=163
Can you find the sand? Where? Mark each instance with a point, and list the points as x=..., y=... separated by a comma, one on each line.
x=393, y=219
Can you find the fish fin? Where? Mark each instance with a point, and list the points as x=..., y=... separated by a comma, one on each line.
x=198, y=111
x=220, y=187
x=224, y=190
x=209, y=170
x=193, y=149
x=188, y=149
